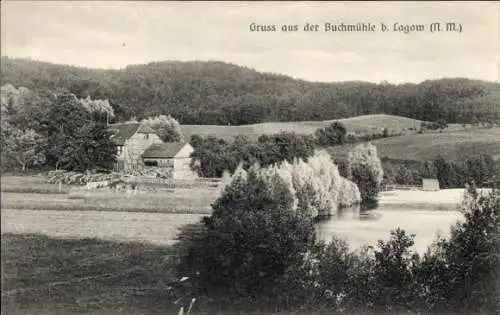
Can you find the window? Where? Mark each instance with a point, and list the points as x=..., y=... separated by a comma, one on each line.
x=119, y=150
x=146, y=136
x=151, y=163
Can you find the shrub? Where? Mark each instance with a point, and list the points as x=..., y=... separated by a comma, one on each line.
x=460, y=274
x=335, y=266
x=251, y=238
x=334, y=134
x=394, y=265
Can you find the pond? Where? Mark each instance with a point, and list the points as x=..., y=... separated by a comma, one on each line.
x=366, y=227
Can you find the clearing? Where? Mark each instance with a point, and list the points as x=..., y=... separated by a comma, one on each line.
x=362, y=124
x=458, y=145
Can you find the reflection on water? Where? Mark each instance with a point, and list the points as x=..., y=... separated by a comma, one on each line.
x=364, y=227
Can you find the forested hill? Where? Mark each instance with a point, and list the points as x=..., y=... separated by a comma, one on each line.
x=222, y=93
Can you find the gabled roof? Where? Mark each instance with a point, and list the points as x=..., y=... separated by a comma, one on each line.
x=123, y=132
x=164, y=150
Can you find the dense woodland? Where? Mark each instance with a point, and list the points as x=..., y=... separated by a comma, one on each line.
x=222, y=93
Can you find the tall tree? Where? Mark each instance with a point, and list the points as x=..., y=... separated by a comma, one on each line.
x=444, y=171
x=90, y=147
x=366, y=170
x=63, y=119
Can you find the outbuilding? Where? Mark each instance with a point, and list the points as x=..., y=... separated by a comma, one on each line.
x=175, y=157
x=430, y=184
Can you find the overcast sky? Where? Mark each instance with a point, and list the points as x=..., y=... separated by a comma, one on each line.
x=116, y=34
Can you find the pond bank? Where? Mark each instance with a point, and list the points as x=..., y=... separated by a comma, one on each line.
x=445, y=199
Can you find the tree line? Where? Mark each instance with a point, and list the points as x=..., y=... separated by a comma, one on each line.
x=216, y=157
x=222, y=93
x=481, y=169
x=57, y=130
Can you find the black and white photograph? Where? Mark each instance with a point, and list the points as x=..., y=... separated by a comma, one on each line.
x=250, y=157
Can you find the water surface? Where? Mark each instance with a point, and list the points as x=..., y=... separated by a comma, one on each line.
x=366, y=227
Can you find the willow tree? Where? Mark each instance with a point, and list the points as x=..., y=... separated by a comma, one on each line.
x=366, y=170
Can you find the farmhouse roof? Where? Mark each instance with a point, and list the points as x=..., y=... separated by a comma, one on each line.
x=124, y=131
x=164, y=150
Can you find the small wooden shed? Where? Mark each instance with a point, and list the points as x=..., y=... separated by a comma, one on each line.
x=171, y=155
x=430, y=184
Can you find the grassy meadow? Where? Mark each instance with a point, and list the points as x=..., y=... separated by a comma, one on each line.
x=458, y=145
x=31, y=192
x=360, y=124
x=41, y=274
x=30, y=184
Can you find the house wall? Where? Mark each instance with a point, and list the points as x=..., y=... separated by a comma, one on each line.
x=135, y=146
x=182, y=170
x=182, y=160
x=166, y=163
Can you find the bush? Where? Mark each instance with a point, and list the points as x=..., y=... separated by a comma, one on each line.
x=461, y=274
x=335, y=267
x=252, y=237
x=393, y=272
x=334, y=134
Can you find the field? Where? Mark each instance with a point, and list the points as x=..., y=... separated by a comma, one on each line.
x=30, y=184
x=31, y=192
x=361, y=124
x=458, y=145
x=157, y=228
x=44, y=275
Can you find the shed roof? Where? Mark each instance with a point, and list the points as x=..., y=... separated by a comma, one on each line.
x=164, y=150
